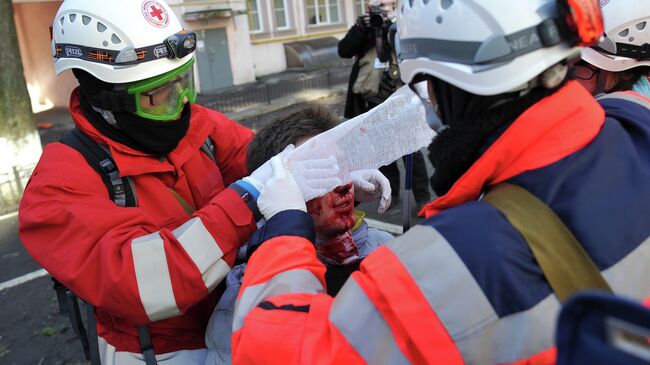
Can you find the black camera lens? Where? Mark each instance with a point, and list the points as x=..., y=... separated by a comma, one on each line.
x=376, y=20
x=378, y=16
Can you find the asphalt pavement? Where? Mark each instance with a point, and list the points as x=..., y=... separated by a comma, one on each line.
x=31, y=329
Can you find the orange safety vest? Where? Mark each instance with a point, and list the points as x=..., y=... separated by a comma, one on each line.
x=421, y=299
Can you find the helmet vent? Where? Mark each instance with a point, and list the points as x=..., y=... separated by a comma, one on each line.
x=439, y=19
x=411, y=3
x=101, y=27
x=425, y=2
x=446, y=4
x=115, y=39
x=641, y=26
x=72, y=17
x=85, y=19
x=631, y=39
x=62, y=20
x=624, y=32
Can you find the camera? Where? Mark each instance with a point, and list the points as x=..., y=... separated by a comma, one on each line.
x=378, y=16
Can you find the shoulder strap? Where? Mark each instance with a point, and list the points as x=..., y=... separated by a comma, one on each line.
x=146, y=346
x=119, y=188
x=208, y=148
x=565, y=264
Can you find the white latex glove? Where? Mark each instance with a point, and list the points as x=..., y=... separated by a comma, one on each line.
x=371, y=185
x=315, y=177
x=262, y=174
x=281, y=192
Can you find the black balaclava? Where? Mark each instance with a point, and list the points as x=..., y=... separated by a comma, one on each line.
x=473, y=122
x=158, y=138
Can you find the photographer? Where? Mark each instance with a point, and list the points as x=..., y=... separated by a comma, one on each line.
x=374, y=77
x=366, y=41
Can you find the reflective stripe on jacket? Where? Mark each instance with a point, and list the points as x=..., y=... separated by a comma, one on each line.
x=463, y=287
x=152, y=262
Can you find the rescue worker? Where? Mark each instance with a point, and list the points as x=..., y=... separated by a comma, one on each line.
x=463, y=286
x=621, y=61
x=156, y=255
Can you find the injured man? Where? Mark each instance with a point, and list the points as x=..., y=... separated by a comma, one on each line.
x=343, y=238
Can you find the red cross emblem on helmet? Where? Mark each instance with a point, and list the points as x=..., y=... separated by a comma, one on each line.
x=155, y=13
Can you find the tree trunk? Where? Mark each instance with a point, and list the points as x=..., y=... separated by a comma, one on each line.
x=16, y=118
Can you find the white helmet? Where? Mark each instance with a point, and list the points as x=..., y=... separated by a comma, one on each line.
x=489, y=47
x=119, y=41
x=627, y=31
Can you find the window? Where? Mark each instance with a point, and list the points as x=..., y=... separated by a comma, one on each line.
x=254, y=16
x=320, y=12
x=280, y=10
x=360, y=7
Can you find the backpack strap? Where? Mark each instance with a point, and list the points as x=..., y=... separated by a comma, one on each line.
x=208, y=147
x=93, y=346
x=122, y=192
x=146, y=347
x=565, y=264
x=119, y=188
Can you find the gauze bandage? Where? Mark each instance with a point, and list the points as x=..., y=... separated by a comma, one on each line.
x=394, y=128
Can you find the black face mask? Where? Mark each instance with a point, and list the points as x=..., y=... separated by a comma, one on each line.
x=153, y=137
x=474, y=123
x=145, y=135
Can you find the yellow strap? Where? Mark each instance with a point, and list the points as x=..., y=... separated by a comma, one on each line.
x=563, y=260
x=186, y=206
x=358, y=219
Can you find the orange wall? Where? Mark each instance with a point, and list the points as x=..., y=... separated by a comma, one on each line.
x=32, y=24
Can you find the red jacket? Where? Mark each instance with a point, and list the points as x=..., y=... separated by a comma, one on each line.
x=151, y=263
x=462, y=287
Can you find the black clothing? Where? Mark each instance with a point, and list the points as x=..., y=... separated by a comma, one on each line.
x=475, y=122
x=420, y=178
x=336, y=276
x=356, y=43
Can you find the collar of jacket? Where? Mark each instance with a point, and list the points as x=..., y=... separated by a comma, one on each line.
x=131, y=162
x=550, y=130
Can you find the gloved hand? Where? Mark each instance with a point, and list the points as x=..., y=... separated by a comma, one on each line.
x=315, y=177
x=370, y=185
x=363, y=21
x=262, y=174
x=281, y=191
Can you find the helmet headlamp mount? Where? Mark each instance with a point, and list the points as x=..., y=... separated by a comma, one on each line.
x=175, y=46
x=180, y=44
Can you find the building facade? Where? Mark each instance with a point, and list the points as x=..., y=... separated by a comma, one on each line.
x=237, y=40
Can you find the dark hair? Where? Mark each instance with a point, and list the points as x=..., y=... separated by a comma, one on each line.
x=275, y=136
x=629, y=77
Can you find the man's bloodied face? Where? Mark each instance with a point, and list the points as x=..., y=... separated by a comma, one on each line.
x=333, y=213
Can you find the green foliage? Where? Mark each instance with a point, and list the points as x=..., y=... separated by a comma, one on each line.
x=47, y=331
x=4, y=350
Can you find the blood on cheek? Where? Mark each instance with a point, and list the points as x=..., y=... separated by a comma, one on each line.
x=328, y=220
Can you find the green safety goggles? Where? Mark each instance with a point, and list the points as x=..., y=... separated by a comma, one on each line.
x=161, y=97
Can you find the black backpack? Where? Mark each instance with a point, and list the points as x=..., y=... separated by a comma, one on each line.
x=121, y=191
